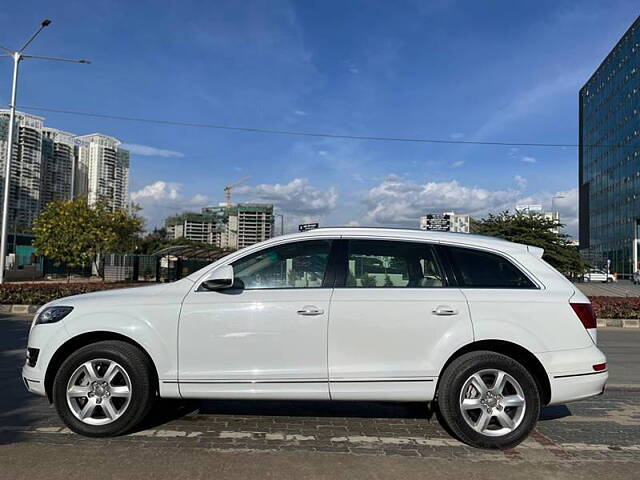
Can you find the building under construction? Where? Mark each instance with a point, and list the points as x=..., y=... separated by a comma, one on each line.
x=225, y=226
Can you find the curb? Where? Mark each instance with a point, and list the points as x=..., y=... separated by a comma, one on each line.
x=23, y=309
x=623, y=387
x=618, y=323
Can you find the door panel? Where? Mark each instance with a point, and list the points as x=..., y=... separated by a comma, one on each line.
x=254, y=336
x=394, y=323
x=266, y=336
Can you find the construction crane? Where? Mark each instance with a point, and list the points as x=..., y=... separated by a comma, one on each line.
x=227, y=189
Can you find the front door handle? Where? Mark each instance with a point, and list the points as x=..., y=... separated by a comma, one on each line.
x=309, y=310
x=444, y=310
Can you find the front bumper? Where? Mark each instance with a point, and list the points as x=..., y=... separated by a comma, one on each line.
x=33, y=381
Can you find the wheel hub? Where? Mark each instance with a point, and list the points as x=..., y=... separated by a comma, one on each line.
x=491, y=400
x=100, y=390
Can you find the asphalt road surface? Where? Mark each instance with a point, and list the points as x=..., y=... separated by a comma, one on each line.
x=222, y=439
x=621, y=288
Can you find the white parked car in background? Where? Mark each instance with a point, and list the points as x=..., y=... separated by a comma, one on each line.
x=481, y=327
x=597, y=275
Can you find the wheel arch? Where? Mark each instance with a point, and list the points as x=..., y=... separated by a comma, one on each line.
x=516, y=352
x=82, y=340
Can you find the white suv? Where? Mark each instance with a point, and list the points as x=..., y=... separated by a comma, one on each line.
x=482, y=328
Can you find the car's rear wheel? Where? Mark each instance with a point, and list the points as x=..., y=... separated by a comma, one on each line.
x=104, y=389
x=488, y=400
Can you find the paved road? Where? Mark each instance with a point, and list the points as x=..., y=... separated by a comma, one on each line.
x=600, y=436
x=622, y=347
x=622, y=288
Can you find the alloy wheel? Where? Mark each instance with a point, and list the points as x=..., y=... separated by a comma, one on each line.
x=492, y=402
x=99, y=391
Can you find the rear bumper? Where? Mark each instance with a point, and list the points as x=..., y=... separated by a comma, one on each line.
x=566, y=389
x=571, y=374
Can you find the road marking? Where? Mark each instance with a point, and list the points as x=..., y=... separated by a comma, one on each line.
x=537, y=440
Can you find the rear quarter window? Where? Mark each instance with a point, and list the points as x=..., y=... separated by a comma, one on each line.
x=479, y=269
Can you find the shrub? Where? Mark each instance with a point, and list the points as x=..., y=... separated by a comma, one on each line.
x=41, y=293
x=616, y=307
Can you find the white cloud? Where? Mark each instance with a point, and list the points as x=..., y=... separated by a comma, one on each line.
x=162, y=199
x=527, y=159
x=521, y=182
x=456, y=135
x=300, y=113
x=297, y=197
x=157, y=191
x=147, y=151
x=457, y=163
x=399, y=202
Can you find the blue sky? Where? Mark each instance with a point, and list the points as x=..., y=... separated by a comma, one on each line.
x=494, y=70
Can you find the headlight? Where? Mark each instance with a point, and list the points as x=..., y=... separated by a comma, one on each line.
x=53, y=314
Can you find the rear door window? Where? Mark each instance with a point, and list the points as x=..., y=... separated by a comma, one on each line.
x=479, y=269
x=392, y=264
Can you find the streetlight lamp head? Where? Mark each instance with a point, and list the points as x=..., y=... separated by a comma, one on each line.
x=46, y=22
x=84, y=61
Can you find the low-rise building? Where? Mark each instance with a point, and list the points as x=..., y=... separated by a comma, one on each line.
x=538, y=210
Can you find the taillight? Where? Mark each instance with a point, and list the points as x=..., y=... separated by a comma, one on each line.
x=584, y=311
x=600, y=367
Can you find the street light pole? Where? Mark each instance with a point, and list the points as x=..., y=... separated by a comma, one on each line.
x=7, y=167
x=17, y=56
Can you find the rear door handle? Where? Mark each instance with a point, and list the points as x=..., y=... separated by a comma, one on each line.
x=309, y=310
x=444, y=310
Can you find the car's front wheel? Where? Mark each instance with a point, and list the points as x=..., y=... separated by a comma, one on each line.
x=488, y=400
x=104, y=389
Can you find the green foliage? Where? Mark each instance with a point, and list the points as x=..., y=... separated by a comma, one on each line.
x=537, y=231
x=74, y=233
x=368, y=281
x=41, y=293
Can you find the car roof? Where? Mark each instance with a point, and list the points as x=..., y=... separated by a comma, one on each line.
x=466, y=239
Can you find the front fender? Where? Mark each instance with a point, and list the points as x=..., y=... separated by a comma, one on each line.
x=158, y=336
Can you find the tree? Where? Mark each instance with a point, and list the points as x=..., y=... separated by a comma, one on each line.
x=368, y=281
x=75, y=233
x=536, y=230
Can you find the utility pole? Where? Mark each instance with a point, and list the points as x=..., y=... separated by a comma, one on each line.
x=17, y=56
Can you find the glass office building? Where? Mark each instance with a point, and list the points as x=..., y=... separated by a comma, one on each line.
x=609, y=159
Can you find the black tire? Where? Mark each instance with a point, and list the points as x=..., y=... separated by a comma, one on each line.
x=142, y=387
x=450, y=393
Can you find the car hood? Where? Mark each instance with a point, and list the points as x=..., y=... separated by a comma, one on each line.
x=159, y=293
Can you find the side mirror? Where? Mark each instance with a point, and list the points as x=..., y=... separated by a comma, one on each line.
x=220, y=278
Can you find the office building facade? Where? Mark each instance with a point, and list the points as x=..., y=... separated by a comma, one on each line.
x=609, y=158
